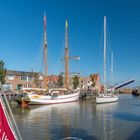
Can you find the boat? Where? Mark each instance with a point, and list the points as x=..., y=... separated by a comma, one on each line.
x=55, y=96
x=7, y=129
x=135, y=92
x=36, y=99
x=106, y=96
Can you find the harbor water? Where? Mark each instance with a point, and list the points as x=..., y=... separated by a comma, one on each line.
x=83, y=120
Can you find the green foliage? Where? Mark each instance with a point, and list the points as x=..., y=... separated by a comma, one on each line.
x=60, y=81
x=75, y=81
x=93, y=80
x=2, y=72
x=36, y=80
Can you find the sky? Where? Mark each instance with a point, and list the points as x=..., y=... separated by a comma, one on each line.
x=21, y=35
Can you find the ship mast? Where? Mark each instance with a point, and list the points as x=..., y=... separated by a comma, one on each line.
x=105, y=53
x=112, y=67
x=66, y=57
x=45, y=51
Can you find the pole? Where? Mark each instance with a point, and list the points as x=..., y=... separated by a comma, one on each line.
x=104, y=53
x=45, y=51
x=66, y=57
x=112, y=68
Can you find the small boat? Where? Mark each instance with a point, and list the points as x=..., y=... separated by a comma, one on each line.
x=135, y=92
x=106, y=97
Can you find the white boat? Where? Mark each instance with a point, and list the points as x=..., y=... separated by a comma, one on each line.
x=52, y=99
x=106, y=97
x=56, y=96
x=61, y=96
x=53, y=96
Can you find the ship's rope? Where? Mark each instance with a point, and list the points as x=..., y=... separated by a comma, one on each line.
x=38, y=57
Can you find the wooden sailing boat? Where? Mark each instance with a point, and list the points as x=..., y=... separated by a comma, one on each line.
x=60, y=96
x=106, y=97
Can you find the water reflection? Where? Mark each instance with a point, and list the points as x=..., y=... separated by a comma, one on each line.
x=84, y=120
x=104, y=114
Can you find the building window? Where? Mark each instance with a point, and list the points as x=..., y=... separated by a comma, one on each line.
x=29, y=85
x=40, y=77
x=30, y=78
x=7, y=86
x=24, y=78
x=25, y=86
x=10, y=77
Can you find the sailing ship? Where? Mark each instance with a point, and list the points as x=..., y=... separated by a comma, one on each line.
x=106, y=97
x=57, y=95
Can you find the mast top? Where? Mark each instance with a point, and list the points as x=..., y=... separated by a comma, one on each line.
x=44, y=13
x=45, y=23
x=66, y=23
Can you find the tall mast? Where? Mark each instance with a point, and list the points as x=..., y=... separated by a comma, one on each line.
x=105, y=53
x=66, y=57
x=45, y=51
x=112, y=67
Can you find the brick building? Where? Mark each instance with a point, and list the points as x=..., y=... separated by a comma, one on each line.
x=18, y=79
x=15, y=80
x=84, y=80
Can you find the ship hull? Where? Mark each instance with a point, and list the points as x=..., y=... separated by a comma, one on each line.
x=106, y=99
x=6, y=129
x=48, y=99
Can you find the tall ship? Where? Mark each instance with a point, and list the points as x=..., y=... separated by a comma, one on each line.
x=62, y=95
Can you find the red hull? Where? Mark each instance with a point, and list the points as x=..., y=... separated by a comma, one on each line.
x=6, y=132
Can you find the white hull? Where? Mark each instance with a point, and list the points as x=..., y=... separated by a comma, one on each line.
x=48, y=99
x=106, y=99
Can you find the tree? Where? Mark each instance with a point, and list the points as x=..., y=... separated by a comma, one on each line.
x=75, y=81
x=60, y=81
x=36, y=80
x=2, y=72
x=93, y=79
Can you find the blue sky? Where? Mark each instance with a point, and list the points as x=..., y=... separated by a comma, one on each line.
x=21, y=34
